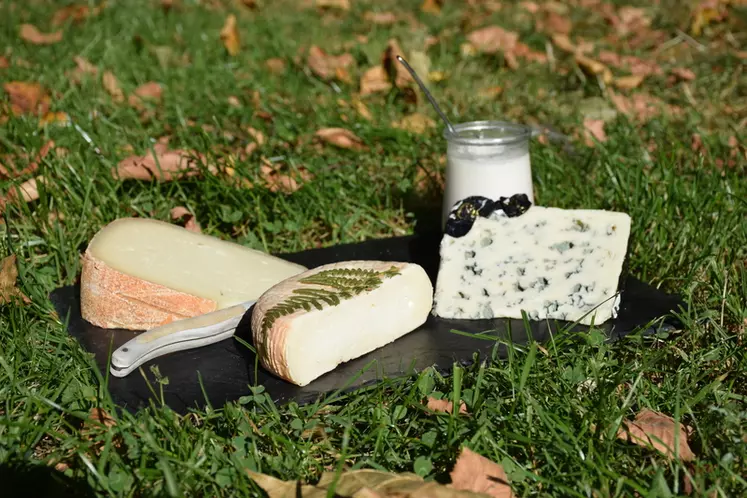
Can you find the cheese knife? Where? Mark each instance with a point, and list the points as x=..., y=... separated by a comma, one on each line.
x=180, y=335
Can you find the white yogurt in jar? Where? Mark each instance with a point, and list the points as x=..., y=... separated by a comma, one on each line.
x=479, y=164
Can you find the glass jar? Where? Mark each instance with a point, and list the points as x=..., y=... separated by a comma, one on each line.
x=486, y=158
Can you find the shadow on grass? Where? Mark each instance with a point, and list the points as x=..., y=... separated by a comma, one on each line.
x=20, y=479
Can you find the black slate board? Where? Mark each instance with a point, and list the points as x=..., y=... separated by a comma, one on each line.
x=227, y=369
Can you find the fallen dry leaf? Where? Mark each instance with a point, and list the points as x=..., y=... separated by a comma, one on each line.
x=361, y=109
x=382, y=18
x=233, y=101
x=32, y=166
x=474, y=472
x=31, y=34
x=84, y=66
x=432, y=6
x=229, y=34
x=52, y=118
x=650, y=428
x=415, y=123
x=594, y=128
x=111, y=85
x=4, y=63
x=706, y=12
x=683, y=73
x=326, y=66
x=27, y=191
x=150, y=91
x=257, y=135
x=593, y=67
x=629, y=82
x=277, y=178
x=492, y=39
x=74, y=13
x=554, y=23
x=394, y=69
x=8, y=276
x=629, y=20
x=491, y=92
x=333, y=4
x=444, y=405
x=161, y=164
x=101, y=417
x=275, y=65
x=640, y=106
x=340, y=137
x=635, y=65
x=27, y=98
x=183, y=215
x=362, y=483
x=374, y=80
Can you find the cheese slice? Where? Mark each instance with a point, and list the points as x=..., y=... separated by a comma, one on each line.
x=307, y=325
x=140, y=273
x=551, y=263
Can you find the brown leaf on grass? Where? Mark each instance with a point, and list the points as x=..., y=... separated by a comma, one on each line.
x=233, y=101
x=99, y=416
x=161, y=164
x=31, y=34
x=415, y=123
x=326, y=66
x=629, y=82
x=432, y=6
x=183, y=215
x=629, y=20
x=444, y=405
x=32, y=166
x=333, y=4
x=593, y=67
x=340, y=137
x=257, y=135
x=27, y=191
x=554, y=23
x=696, y=143
x=490, y=92
x=111, y=85
x=74, y=13
x=82, y=66
x=683, y=73
x=361, y=483
x=27, y=98
x=9, y=293
x=635, y=65
x=394, y=69
x=361, y=109
x=640, y=106
x=705, y=13
x=275, y=65
x=52, y=118
x=650, y=428
x=147, y=92
x=374, y=80
x=382, y=18
x=492, y=39
x=279, y=178
x=4, y=63
x=229, y=34
x=594, y=128
x=474, y=472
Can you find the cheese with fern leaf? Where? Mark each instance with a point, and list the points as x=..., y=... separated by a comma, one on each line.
x=310, y=323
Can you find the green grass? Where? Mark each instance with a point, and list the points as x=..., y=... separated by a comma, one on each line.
x=548, y=415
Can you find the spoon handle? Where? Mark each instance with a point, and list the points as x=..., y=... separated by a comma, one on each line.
x=426, y=92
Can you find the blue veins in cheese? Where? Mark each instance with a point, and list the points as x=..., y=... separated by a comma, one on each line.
x=549, y=262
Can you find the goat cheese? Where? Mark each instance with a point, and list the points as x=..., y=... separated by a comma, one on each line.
x=551, y=263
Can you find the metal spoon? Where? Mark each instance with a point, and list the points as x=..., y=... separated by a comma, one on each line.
x=427, y=93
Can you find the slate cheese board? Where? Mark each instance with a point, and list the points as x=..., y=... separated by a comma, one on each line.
x=225, y=371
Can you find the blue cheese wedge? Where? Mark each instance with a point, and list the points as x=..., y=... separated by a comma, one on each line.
x=310, y=323
x=499, y=258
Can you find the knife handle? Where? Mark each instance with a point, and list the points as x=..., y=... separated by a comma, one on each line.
x=181, y=335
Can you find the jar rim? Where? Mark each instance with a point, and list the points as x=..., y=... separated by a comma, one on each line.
x=514, y=132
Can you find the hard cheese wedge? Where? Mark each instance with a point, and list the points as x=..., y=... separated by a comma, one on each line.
x=551, y=263
x=307, y=325
x=140, y=273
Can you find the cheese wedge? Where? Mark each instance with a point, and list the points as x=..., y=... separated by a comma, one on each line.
x=140, y=273
x=307, y=325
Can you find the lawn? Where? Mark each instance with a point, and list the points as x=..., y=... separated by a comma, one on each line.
x=637, y=108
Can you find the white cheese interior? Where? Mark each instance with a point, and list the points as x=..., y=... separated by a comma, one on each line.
x=320, y=340
x=196, y=264
x=550, y=262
